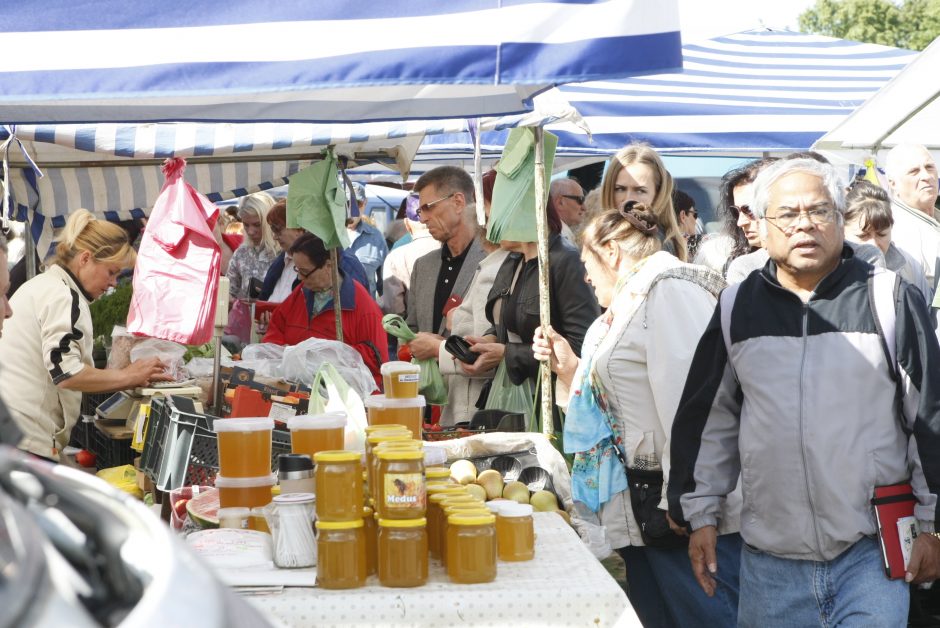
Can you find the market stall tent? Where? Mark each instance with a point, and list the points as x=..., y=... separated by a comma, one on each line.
x=241, y=61
x=744, y=94
x=905, y=110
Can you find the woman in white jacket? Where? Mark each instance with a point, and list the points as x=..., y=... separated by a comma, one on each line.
x=624, y=393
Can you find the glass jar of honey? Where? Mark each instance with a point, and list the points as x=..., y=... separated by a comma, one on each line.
x=399, y=480
x=244, y=446
x=437, y=475
x=437, y=493
x=400, y=379
x=515, y=536
x=407, y=412
x=310, y=434
x=339, y=485
x=403, y=552
x=448, y=508
x=371, y=531
x=471, y=548
x=341, y=554
x=374, y=439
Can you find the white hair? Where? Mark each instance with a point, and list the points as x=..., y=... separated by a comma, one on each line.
x=895, y=161
x=775, y=171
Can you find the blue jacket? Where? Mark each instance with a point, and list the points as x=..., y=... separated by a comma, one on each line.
x=370, y=248
x=348, y=265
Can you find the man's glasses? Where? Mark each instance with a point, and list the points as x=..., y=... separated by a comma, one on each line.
x=427, y=206
x=578, y=199
x=787, y=221
x=743, y=209
x=303, y=274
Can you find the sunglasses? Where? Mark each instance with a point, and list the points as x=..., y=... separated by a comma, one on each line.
x=427, y=206
x=578, y=199
x=743, y=209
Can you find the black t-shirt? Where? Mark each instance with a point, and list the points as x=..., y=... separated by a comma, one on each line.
x=450, y=268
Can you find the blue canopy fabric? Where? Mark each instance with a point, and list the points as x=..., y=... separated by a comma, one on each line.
x=301, y=61
x=742, y=94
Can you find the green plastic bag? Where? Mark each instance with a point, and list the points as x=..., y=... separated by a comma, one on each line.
x=431, y=383
x=506, y=396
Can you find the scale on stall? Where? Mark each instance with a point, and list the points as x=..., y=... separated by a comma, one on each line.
x=119, y=417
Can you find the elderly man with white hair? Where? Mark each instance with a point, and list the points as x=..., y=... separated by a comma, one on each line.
x=794, y=393
x=912, y=179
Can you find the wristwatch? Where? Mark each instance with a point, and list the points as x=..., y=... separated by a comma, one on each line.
x=935, y=535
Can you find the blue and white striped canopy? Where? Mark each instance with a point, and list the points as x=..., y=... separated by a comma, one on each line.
x=301, y=61
x=742, y=94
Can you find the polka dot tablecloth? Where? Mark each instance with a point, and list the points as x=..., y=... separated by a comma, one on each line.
x=564, y=585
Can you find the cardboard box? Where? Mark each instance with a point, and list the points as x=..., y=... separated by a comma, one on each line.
x=144, y=482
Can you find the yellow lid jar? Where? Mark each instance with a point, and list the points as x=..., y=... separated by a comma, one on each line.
x=400, y=487
x=471, y=548
x=403, y=552
x=515, y=535
x=341, y=554
x=339, y=485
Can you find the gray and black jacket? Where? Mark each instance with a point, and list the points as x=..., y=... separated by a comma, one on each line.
x=805, y=411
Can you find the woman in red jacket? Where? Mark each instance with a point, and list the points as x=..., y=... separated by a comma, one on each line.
x=308, y=311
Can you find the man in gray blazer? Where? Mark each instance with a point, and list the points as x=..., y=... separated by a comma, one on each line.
x=441, y=278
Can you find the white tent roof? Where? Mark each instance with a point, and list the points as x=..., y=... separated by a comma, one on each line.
x=905, y=110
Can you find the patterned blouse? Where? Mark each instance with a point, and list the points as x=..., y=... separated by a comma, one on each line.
x=247, y=262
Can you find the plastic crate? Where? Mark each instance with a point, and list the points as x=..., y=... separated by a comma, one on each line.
x=181, y=448
x=110, y=452
x=91, y=401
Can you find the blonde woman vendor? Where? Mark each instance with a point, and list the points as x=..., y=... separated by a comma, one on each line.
x=47, y=343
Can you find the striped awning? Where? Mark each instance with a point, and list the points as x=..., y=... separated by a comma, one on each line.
x=301, y=61
x=742, y=94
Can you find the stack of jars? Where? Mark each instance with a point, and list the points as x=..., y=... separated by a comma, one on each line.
x=310, y=434
x=464, y=532
x=341, y=531
x=245, y=478
x=401, y=404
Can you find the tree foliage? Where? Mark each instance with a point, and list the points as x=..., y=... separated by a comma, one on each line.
x=911, y=24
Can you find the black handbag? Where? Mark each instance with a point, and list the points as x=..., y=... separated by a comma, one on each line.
x=646, y=491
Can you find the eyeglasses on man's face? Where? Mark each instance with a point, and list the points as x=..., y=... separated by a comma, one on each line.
x=788, y=220
x=576, y=198
x=427, y=206
x=742, y=209
x=303, y=274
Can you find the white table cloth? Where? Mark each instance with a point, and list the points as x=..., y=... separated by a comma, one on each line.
x=564, y=585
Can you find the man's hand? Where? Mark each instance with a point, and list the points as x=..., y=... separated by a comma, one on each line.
x=924, y=565
x=491, y=353
x=702, y=545
x=143, y=372
x=425, y=346
x=675, y=527
x=262, y=325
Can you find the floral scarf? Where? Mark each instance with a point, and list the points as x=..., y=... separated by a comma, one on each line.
x=590, y=433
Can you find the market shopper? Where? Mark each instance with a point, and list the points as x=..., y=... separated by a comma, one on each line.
x=47, y=344
x=913, y=181
x=636, y=173
x=446, y=207
x=257, y=250
x=396, y=271
x=792, y=392
x=308, y=311
x=624, y=394
x=568, y=198
x=368, y=243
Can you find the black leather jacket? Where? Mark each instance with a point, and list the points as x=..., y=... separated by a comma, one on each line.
x=573, y=305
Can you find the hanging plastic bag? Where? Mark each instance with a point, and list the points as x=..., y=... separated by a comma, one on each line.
x=506, y=396
x=239, y=322
x=431, y=384
x=339, y=397
x=303, y=361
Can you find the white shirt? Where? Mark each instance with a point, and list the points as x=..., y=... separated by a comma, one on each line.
x=285, y=282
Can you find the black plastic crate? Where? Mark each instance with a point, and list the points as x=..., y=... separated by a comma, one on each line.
x=110, y=452
x=91, y=401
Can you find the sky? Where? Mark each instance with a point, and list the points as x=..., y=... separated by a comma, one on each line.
x=704, y=19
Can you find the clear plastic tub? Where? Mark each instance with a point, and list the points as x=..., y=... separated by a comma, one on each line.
x=244, y=446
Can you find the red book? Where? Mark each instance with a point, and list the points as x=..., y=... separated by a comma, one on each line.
x=891, y=503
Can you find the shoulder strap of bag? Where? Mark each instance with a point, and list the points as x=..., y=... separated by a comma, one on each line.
x=726, y=300
x=882, y=298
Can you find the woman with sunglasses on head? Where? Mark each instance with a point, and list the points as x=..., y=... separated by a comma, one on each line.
x=687, y=218
x=308, y=311
x=636, y=173
x=625, y=389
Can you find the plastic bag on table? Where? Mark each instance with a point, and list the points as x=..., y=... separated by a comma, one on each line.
x=170, y=353
x=122, y=342
x=504, y=395
x=331, y=393
x=302, y=362
x=123, y=478
x=263, y=351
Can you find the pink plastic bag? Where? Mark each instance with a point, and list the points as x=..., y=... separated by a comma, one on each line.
x=239, y=322
x=177, y=274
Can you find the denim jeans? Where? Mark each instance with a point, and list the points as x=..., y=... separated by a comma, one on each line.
x=664, y=592
x=850, y=590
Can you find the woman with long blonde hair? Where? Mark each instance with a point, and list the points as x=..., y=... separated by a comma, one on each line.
x=47, y=343
x=636, y=173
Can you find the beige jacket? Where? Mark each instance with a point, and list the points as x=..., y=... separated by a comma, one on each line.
x=642, y=365
x=48, y=339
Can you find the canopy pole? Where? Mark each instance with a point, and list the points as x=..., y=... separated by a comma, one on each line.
x=337, y=305
x=541, y=226
x=478, y=177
